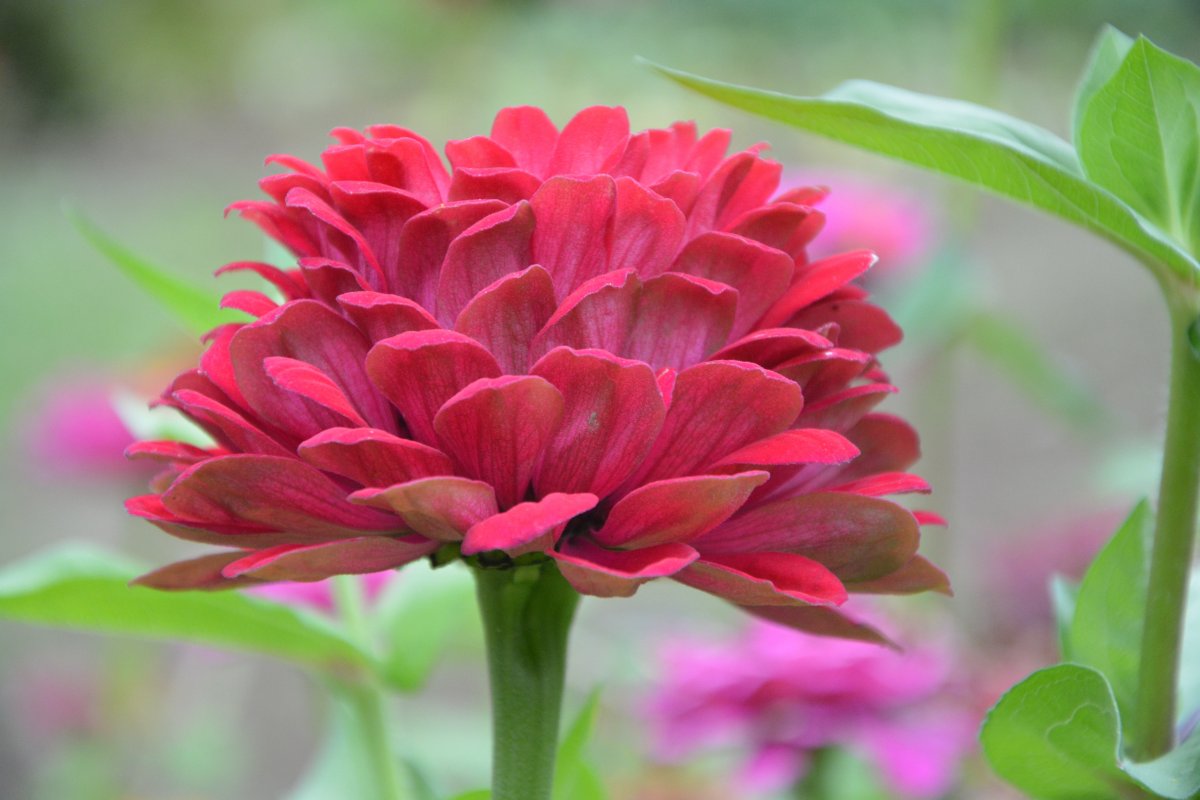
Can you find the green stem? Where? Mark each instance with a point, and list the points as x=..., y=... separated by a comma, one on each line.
x=527, y=613
x=1171, y=557
x=366, y=698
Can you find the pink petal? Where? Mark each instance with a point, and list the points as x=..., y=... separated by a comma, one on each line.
x=700, y=429
x=311, y=383
x=307, y=331
x=216, y=363
x=328, y=279
x=742, y=182
x=441, y=508
x=798, y=446
x=571, y=237
x=529, y=135
x=226, y=425
x=338, y=239
x=316, y=562
x=773, y=346
x=381, y=316
x=784, y=226
x=287, y=285
x=372, y=457
x=420, y=370
x=862, y=326
x=278, y=223
x=167, y=452
x=676, y=510
x=402, y=158
x=506, y=315
x=815, y=282
x=379, y=212
x=505, y=185
x=280, y=493
x=589, y=140
x=884, y=483
x=526, y=524
x=496, y=429
x=601, y=572
x=858, y=538
x=477, y=152
x=843, y=410
x=424, y=240
x=204, y=572
x=496, y=246
x=765, y=579
x=613, y=411
x=760, y=274
x=647, y=230
x=250, y=302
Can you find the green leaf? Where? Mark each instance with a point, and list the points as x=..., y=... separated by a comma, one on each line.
x=80, y=587
x=474, y=794
x=1107, y=54
x=1106, y=631
x=1055, y=736
x=1025, y=362
x=200, y=311
x=1189, y=657
x=985, y=148
x=1140, y=139
x=574, y=777
x=1175, y=775
x=421, y=613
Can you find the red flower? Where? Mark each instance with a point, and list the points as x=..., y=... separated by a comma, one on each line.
x=602, y=348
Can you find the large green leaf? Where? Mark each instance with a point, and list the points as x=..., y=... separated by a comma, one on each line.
x=1107, y=54
x=983, y=147
x=1106, y=631
x=1055, y=736
x=81, y=587
x=199, y=310
x=1139, y=137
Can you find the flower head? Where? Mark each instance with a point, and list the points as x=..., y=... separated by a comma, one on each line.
x=605, y=349
x=787, y=696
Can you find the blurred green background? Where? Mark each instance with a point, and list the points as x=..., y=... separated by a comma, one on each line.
x=152, y=116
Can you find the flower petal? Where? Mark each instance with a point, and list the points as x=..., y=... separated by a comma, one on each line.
x=589, y=140
x=861, y=325
x=523, y=525
x=821, y=621
x=372, y=457
x=858, y=538
x=316, y=562
x=505, y=316
x=505, y=185
x=441, y=508
x=601, y=572
x=571, y=236
x=379, y=211
x=381, y=316
x=204, y=572
x=280, y=493
x=817, y=280
x=676, y=510
x=529, y=135
x=496, y=246
x=496, y=428
x=311, y=383
x=420, y=370
x=797, y=446
x=918, y=575
x=424, y=240
x=647, y=230
x=765, y=579
x=759, y=273
x=613, y=411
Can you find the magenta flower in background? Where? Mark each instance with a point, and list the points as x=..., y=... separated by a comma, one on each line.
x=896, y=224
x=783, y=695
x=75, y=430
x=602, y=348
x=319, y=595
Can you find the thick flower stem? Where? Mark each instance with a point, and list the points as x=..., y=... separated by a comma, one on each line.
x=1171, y=557
x=366, y=699
x=527, y=613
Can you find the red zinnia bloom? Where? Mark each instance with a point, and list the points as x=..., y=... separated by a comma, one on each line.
x=601, y=348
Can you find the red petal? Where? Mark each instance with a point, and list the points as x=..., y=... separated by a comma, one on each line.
x=311, y=383
x=381, y=316
x=505, y=185
x=888, y=444
x=169, y=452
x=647, y=230
x=601, y=572
x=420, y=370
x=716, y=409
x=613, y=411
x=287, y=285
x=523, y=525
x=760, y=274
x=676, y=510
x=253, y=303
x=815, y=282
x=742, y=182
x=784, y=226
x=505, y=316
x=799, y=446
x=372, y=457
x=496, y=246
x=918, y=575
x=441, y=508
x=477, y=152
x=328, y=279
x=843, y=410
x=226, y=425
x=858, y=538
x=884, y=483
x=379, y=211
x=589, y=140
x=821, y=621
x=774, y=346
x=278, y=223
x=423, y=243
x=571, y=236
x=765, y=579
x=496, y=429
x=280, y=493
x=204, y=572
x=862, y=326
x=338, y=239
x=529, y=135
x=316, y=562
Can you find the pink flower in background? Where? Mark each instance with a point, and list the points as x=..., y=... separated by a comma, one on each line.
x=897, y=224
x=784, y=695
x=319, y=594
x=75, y=430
